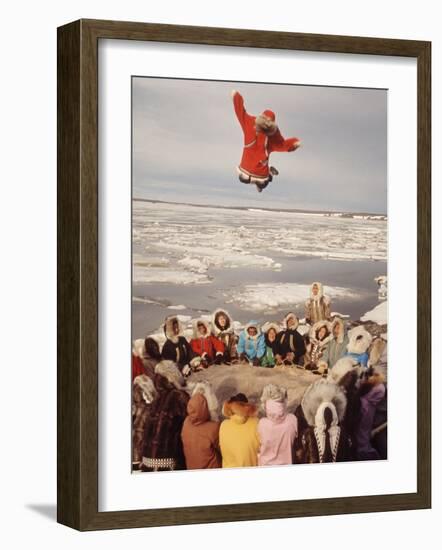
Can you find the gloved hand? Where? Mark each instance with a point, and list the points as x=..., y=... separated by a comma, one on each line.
x=256, y=362
x=243, y=358
x=218, y=359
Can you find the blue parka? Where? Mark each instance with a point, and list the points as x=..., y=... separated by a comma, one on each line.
x=253, y=346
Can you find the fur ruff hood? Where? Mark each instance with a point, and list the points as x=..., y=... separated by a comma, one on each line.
x=205, y=389
x=171, y=373
x=267, y=326
x=341, y=368
x=215, y=324
x=323, y=392
x=359, y=340
x=168, y=328
x=313, y=333
x=240, y=410
x=138, y=348
x=291, y=316
x=195, y=324
x=337, y=321
x=252, y=324
x=146, y=387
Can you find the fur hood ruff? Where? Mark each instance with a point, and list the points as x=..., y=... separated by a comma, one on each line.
x=169, y=371
x=337, y=321
x=168, y=328
x=359, y=340
x=291, y=316
x=320, y=392
x=252, y=324
x=315, y=329
x=195, y=324
x=215, y=327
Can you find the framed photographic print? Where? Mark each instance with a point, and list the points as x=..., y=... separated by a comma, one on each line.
x=243, y=274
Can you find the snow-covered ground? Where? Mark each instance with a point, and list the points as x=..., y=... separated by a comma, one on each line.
x=378, y=315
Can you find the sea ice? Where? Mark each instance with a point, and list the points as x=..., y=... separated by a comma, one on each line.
x=269, y=297
x=378, y=315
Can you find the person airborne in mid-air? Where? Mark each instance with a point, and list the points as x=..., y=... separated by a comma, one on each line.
x=261, y=137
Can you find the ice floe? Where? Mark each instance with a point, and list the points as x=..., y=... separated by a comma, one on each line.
x=190, y=240
x=269, y=297
x=378, y=315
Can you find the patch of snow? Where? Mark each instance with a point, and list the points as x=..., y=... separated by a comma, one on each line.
x=142, y=274
x=179, y=307
x=378, y=315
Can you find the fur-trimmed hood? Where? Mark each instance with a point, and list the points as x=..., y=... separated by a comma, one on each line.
x=323, y=392
x=337, y=321
x=217, y=329
x=320, y=291
x=168, y=328
x=341, y=368
x=290, y=315
x=146, y=387
x=204, y=388
x=268, y=325
x=359, y=340
x=138, y=348
x=313, y=333
x=239, y=411
x=169, y=371
x=252, y=324
x=201, y=321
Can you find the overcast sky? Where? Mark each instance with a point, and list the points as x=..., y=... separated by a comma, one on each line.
x=187, y=143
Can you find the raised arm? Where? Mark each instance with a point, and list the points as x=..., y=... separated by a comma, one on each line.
x=240, y=111
x=279, y=144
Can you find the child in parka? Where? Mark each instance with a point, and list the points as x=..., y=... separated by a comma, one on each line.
x=208, y=348
x=251, y=345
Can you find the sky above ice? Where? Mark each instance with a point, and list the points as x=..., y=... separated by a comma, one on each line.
x=187, y=143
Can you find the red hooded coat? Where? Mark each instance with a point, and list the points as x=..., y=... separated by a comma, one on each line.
x=257, y=145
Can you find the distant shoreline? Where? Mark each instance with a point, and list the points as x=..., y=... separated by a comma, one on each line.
x=327, y=213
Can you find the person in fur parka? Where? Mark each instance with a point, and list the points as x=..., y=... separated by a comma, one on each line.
x=222, y=327
x=261, y=138
x=251, y=344
x=143, y=394
x=359, y=341
x=318, y=339
x=204, y=345
x=323, y=439
x=317, y=307
x=290, y=345
x=270, y=331
x=336, y=347
x=163, y=449
x=372, y=417
x=176, y=348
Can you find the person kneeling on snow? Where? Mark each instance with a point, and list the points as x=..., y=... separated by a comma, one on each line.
x=270, y=331
x=319, y=337
x=251, y=345
x=176, y=348
x=205, y=346
x=222, y=326
x=290, y=346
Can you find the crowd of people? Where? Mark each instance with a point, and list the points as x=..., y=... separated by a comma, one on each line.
x=342, y=415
